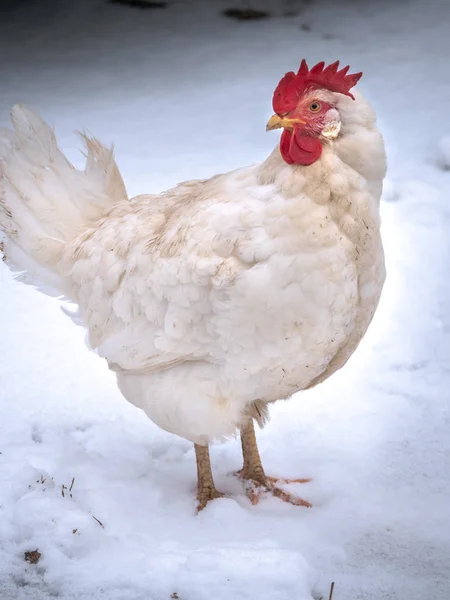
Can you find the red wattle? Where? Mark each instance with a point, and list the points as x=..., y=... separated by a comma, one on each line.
x=299, y=147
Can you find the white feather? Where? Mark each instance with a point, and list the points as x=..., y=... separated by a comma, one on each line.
x=44, y=201
x=216, y=294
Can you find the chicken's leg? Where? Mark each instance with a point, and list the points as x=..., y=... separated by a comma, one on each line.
x=206, y=490
x=253, y=472
x=252, y=469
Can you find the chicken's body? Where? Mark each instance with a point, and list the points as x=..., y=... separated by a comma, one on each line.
x=236, y=290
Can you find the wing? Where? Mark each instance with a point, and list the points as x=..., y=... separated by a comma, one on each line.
x=150, y=276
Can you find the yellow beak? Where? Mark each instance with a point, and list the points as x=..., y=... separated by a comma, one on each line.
x=275, y=122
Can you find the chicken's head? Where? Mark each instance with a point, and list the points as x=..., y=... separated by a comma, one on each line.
x=305, y=105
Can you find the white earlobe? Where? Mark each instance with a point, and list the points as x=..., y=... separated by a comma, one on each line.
x=332, y=125
x=331, y=130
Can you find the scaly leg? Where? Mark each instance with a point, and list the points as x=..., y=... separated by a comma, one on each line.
x=206, y=490
x=253, y=472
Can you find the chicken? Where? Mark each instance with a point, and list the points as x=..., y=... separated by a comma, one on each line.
x=218, y=297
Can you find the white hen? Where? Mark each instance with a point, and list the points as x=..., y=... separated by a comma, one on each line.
x=219, y=296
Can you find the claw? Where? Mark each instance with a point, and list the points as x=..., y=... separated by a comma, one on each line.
x=287, y=481
x=255, y=491
x=256, y=488
x=206, y=495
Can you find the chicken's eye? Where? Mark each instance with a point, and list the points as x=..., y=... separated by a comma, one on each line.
x=315, y=106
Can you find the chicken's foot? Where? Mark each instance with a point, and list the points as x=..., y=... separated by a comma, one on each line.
x=257, y=482
x=206, y=490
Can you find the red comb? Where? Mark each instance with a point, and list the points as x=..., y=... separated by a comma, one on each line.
x=292, y=85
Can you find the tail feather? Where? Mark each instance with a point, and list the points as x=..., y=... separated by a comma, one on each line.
x=97, y=155
x=44, y=200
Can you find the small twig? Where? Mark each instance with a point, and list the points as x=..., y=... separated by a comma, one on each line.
x=99, y=522
x=69, y=489
x=140, y=3
x=331, y=591
x=245, y=14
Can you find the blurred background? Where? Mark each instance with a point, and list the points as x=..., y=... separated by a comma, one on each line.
x=115, y=66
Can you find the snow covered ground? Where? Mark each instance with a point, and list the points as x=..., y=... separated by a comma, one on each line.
x=375, y=438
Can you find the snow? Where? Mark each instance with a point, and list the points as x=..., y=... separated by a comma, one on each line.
x=444, y=152
x=184, y=93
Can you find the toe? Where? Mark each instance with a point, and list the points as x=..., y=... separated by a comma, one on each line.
x=205, y=496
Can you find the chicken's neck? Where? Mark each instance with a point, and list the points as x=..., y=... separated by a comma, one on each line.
x=353, y=207
x=296, y=179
